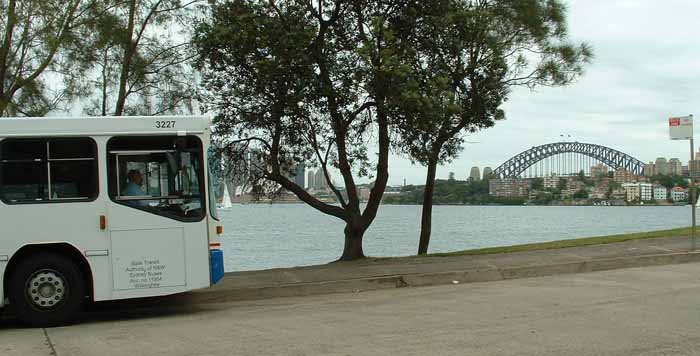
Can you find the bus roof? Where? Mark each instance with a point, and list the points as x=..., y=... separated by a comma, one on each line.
x=103, y=126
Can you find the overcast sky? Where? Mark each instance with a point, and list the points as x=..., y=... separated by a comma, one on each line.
x=646, y=69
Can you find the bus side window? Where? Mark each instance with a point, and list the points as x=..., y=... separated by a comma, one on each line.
x=23, y=170
x=73, y=169
x=48, y=170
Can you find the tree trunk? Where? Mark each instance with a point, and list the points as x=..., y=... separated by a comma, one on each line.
x=126, y=61
x=354, y=232
x=427, y=216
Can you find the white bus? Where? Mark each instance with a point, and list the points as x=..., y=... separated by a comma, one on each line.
x=104, y=208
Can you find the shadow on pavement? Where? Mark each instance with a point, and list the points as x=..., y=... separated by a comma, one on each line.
x=120, y=310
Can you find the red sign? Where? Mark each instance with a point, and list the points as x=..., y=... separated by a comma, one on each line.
x=676, y=121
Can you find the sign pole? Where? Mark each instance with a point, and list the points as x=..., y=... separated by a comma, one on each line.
x=681, y=128
x=692, y=194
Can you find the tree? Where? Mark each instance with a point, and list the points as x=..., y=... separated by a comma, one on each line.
x=670, y=181
x=41, y=40
x=464, y=58
x=538, y=184
x=296, y=82
x=581, y=194
x=143, y=60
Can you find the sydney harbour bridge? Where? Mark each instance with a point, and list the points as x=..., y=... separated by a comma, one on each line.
x=566, y=158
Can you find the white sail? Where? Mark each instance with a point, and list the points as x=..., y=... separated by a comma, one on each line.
x=227, y=204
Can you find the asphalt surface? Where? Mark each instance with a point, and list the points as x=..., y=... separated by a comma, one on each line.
x=638, y=311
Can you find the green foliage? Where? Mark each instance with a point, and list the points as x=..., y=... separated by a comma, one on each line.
x=493, y=46
x=561, y=184
x=114, y=56
x=538, y=184
x=588, y=181
x=294, y=83
x=453, y=192
x=670, y=181
x=581, y=194
x=143, y=59
x=39, y=38
x=588, y=241
x=459, y=61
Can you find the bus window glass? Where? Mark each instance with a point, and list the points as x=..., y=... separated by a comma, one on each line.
x=158, y=174
x=73, y=169
x=24, y=181
x=48, y=170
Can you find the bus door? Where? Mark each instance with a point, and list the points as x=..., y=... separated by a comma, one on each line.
x=157, y=222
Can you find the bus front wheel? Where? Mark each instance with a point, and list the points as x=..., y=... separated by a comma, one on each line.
x=47, y=289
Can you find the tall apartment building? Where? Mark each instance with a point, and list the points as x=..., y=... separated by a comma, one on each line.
x=474, y=174
x=300, y=175
x=694, y=168
x=320, y=182
x=661, y=166
x=509, y=188
x=311, y=179
x=650, y=169
x=487, y=173
x=675, y=166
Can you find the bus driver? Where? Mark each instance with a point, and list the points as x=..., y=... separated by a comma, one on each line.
x=134, y=189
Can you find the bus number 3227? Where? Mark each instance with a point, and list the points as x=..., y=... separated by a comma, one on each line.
x=104, y=209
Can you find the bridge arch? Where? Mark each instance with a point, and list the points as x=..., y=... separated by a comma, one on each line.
x=614, y=159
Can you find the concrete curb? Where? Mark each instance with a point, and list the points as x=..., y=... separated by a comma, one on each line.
x=215, y=295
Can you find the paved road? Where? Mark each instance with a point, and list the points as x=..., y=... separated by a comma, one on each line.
x=643, y=311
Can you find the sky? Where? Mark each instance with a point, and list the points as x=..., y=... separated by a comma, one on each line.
x=646, y=69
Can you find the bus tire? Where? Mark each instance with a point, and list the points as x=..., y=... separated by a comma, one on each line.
x=46, y=289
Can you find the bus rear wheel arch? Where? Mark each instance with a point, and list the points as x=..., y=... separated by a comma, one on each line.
x=47, y=287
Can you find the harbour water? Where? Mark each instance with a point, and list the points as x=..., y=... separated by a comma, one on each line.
x=263, y=236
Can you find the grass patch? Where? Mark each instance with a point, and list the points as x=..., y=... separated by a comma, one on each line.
x=601, y=240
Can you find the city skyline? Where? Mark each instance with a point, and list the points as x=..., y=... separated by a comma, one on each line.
x=623, y=101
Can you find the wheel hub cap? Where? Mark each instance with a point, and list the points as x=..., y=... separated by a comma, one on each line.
x=46, y=289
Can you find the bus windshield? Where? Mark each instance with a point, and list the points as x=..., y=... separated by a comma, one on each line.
x=162, y=175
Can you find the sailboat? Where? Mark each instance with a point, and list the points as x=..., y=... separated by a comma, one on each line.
x=226, y=201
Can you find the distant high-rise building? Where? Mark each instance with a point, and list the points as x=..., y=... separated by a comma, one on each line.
x=650, y=169
x=310, y=179
x=694, y=168
x=675, y=167
x=474, y=174
x=487, y=172
x=320, y=182
x=661, y=166
x=300, y=175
